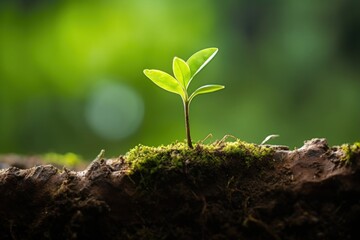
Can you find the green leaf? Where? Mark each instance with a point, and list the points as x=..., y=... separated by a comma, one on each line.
x=181, y=71
x=165, y=81
x=205, y=89
x=199, y=60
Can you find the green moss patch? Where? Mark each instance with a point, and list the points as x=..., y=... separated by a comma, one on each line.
x=350, y=152
x=201, y=163
x=70, y=160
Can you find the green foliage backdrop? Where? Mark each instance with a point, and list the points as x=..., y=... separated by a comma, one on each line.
x=71, y=72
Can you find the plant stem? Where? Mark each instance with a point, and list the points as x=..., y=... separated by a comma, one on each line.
x=187, y=124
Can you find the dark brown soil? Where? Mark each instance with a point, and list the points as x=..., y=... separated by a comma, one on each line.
x=308, y=193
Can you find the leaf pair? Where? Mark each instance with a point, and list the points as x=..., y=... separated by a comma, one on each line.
x=184, y=72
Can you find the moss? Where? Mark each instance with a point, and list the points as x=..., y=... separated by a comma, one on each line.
x=202, y=161
x=248, y=151
x=70, y=160
x=350, y=152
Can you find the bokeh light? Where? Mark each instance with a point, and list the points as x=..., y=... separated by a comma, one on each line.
x=114, y=111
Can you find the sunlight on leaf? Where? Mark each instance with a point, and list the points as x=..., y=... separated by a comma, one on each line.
x=206, y=89
x=199, y=60
x=165, y=81
x=181, y=71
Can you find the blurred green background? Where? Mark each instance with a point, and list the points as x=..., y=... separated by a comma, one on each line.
x=71, y=72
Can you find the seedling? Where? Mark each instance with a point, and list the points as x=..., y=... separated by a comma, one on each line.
x=184, y=72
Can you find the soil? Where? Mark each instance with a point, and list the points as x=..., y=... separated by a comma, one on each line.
x=307, y=193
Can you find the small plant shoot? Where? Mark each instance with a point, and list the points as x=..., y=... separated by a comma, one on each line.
x=184, y=72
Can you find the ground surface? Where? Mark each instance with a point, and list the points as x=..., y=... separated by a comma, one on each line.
x=309, y=193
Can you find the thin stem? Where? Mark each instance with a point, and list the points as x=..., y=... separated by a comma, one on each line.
x=187, y=124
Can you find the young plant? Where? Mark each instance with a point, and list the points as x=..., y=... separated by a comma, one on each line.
x=184, y=72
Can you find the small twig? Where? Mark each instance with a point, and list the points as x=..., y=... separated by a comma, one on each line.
x=269, y=138
x=208, y=136
x=95, y=162
x=224, y=139
x=100, y=155
x=228, y=136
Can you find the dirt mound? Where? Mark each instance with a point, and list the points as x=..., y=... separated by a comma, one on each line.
x=309, y=193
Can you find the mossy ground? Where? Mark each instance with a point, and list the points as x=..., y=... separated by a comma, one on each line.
x=176, y=154
x=224, y=190
x=188, y=180
x=350, y=151
x=69, y=160
x=157, y=164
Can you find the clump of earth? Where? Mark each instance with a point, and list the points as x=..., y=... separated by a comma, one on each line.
x=219, y=191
